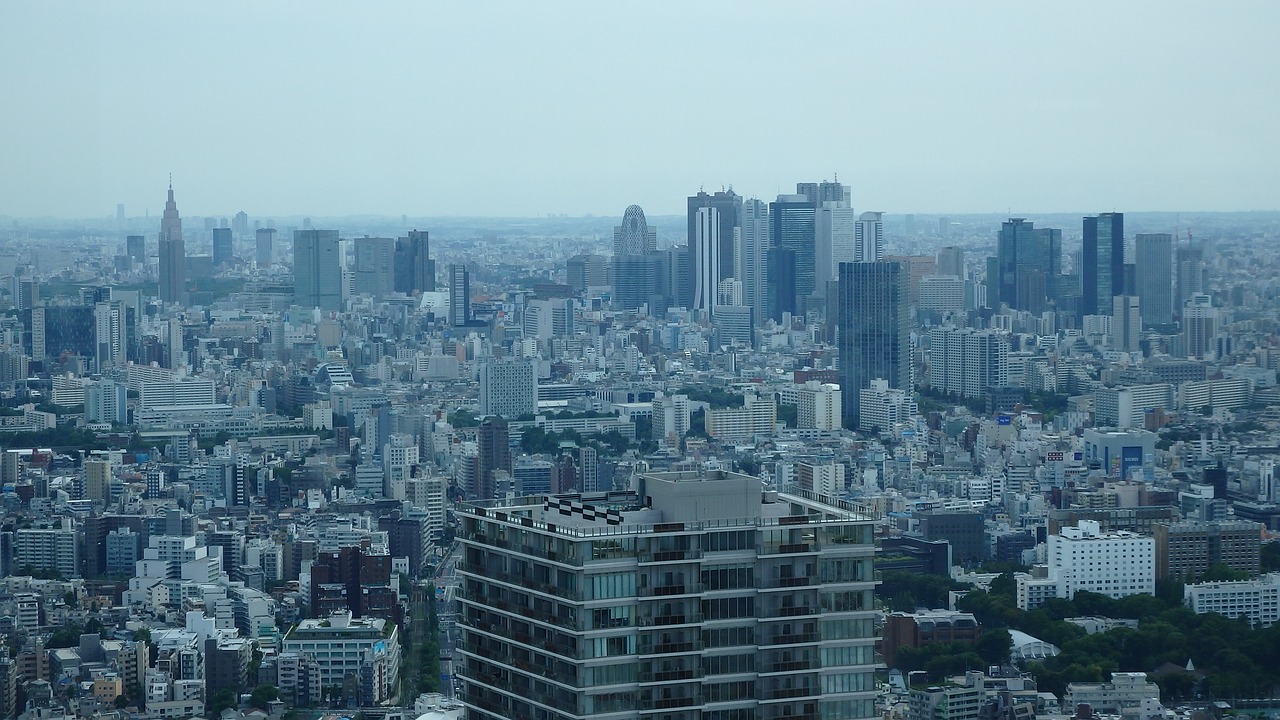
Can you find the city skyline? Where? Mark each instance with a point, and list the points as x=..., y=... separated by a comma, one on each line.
x=102, y=122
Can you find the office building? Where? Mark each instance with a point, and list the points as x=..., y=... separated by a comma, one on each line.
x=869, y=237
x=494, y=455
x=1028, y=259
x=1126, y=323
x=639, y=281
x=1186, y=550
x=964, y=531
x=634, y=236
x=136, y=248
x=827, y=191
x=941, y=293
x=459, y=295
x=173, y=254
x=835, y=232
x=317, y=269
x=222, y=247
x=508, y=388
x=1120, y=452
x=875, y=339
x=733, y=325
x=414, y=269
x=792, y=227
x=1102, y=263
x=780, y=290
x=706, y=258
x=945, y=702
x=1154, y=274
x=951, y=261
x=1115, y=564
x=1191, y=273
x=264, y=246
x=721, y=598
x=728, y=207
x=1257, y=601
x=586, y=271
x=375, y=267
x=370, y=653
x=97, y=482
x=914, y=630
x=1199, y=327
x=751, y=255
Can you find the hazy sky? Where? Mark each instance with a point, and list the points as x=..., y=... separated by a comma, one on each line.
x=528, y=108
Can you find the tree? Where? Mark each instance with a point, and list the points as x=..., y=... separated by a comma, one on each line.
x=263, y=695
x=994, y=646
x=223, y=699
x=142, y=635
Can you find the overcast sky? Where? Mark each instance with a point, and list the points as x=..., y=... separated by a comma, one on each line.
x=529, y=108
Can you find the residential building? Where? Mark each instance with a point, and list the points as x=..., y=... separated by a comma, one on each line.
x=1124, y=695
x=966, y=362
x=818, y=405
x=1257, y=601
x=508, y=388
x=881, y=407
x=368, y=654
x=696, y=590
x=757, y=416
x=317, y=269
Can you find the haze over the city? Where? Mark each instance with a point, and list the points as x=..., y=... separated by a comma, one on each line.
x=514, y=109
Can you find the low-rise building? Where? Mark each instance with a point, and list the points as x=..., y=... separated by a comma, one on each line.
x=1258, y=600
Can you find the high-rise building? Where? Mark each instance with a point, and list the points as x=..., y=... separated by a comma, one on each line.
x=264, y=239
x=869, y=237
x=1185, y=550
x=634, y=236
x=106, y=401
x=375, y=266
x=459, y=295
x=1102, y=263
x=1199, y=326
x=173, y=254
x=875, y=339
x=415, y=270
x=136, y=248
x=638, y=281
x=791, y=227
x=494, y=455
x=586, y=270
x=750, y=256
x=317, y=269
x=110, y=334
x=721, y=597
x=1154, y=276
x=780, y=296
x=729, y=207
x=966, y=362
x=826, y=192
x=951, y=261
x=97, y=481
x=508, y=388
x=706, y=258
x=1027, y=261
x=222, y=247
x=1191, y=272
x=835, y=228
x=1126, y=323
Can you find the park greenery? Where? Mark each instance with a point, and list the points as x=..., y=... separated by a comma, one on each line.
x=1234, y=659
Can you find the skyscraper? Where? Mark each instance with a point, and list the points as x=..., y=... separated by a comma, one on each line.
x=835, y=241
x=1154, y=276
x=415, y=270
x=459, y=295
x=265, y=239
x=791, y=227
x=508, y=388
x=634, y=236
x=869, y=237
x=729, y=204
x=222, y=247
x=375, y=266
x=136, y=248
x=1191, y=273
x=1199, y=326
x=494, y=454
x=1126, y=323
x=751, y=254
x=1102, y=263
x=951, y=261
x=875, y=337
x=826, y=192
x=639, y=269
x=317, y=269
x=173, y=254
x=1027, y=261
x=706, y=258
x=781, y=282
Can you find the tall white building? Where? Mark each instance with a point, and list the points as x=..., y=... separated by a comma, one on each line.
x=695, y=593
x=671, y=417
x=752, y=250
x=757, y=416
x=706, y=258
x=399, y=456
x=869, y=237
x=1257, y=601
x=818, y=405
x=1126, y=324
x=881, y=407
x=1126, y=407
x=508, y=388
x=835, y=230
x=1199, y=326
x=968, y=362
x=106, y=401
x=188, y=391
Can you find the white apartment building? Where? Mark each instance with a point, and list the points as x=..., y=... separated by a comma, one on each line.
x=968, y=362
x=341, y=644
x=185, y=392
x=757, y=416
x=883, y=407
x=818, y=405
x=1124, y=694
x=1126, y=407
x=1258, y=600
x=508, y=388
x=1115, y=564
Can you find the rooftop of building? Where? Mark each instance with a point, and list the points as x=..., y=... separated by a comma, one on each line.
x=671, y=501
